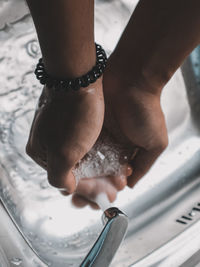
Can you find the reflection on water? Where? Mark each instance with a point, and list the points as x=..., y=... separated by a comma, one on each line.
x=58, y=232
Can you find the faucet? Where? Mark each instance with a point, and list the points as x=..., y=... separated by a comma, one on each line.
x=104, y=249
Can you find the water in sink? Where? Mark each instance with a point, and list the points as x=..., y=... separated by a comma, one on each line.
x=59, y=233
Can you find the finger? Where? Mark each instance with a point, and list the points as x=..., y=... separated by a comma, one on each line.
x=59, y=173
x=40, y=162
x=129, y=170
x=141, y=164
x=80, y=202
x=39, y=157
x=119, y=182
x=91, y=187
x=63, y=192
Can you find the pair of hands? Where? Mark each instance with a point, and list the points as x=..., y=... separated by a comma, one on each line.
x=66, y=126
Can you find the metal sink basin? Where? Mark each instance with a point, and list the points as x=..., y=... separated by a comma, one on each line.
x=40, y=227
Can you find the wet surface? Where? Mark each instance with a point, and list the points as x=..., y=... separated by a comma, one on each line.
x=58, y=232
x=48, y=220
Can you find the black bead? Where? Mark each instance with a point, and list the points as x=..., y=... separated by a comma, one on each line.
x=98, y=46
x=74, y=84
x=100, y=69
x=93, y=77
x=43, y=81
x=70, y=84
x=59, y=85
x=39, y=76
x=85, y=80
x=40, y=67
x=88, y=78
x=66, y=85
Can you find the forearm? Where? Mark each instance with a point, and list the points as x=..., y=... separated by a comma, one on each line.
x=158, y=37
x=65, y=30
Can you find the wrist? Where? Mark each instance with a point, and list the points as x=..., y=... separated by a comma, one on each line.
x=72, y=62
x=67, y=83
x=132, y=77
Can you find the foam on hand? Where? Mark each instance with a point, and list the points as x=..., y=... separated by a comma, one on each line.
x=106, y=158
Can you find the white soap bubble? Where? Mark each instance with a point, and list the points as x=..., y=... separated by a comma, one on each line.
x=106, y=158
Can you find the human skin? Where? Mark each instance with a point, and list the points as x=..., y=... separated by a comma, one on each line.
x=61, y=134
x=158, y=37
x=66, y=38
x=67, y=124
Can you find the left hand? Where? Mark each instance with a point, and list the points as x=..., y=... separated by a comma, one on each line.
x=65, y=127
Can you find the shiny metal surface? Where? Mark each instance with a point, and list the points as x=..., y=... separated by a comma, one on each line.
x=14, y=251
x=109, y=240
x=55, y=232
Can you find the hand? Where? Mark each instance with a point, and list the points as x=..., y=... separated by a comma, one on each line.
x=65, y=127
x=88, y=190
x=134, y=116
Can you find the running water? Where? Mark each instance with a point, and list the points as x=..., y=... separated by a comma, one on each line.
x=103, y=201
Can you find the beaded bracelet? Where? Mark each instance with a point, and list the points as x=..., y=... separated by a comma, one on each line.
x=76, y=83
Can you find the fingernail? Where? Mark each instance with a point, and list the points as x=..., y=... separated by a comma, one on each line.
x=62, y=189
x=129, y=170
x=64, y=193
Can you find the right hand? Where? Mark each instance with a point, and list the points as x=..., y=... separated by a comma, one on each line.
x=134, y=116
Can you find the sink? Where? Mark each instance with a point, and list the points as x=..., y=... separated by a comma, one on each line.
x=39, y=226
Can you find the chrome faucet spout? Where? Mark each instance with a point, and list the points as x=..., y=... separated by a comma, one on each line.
x=108, y=242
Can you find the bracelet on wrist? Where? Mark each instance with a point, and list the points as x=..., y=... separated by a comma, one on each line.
x=75, y=83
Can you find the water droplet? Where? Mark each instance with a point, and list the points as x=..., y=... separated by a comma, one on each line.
x=32, y=48
x=16, y=261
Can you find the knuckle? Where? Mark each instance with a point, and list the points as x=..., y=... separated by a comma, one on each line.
x=121, y=183
x=32, y=153
x=55, y=182
x=61, y=157
x=163, y=143
x=28, y=150
x=71, y=157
